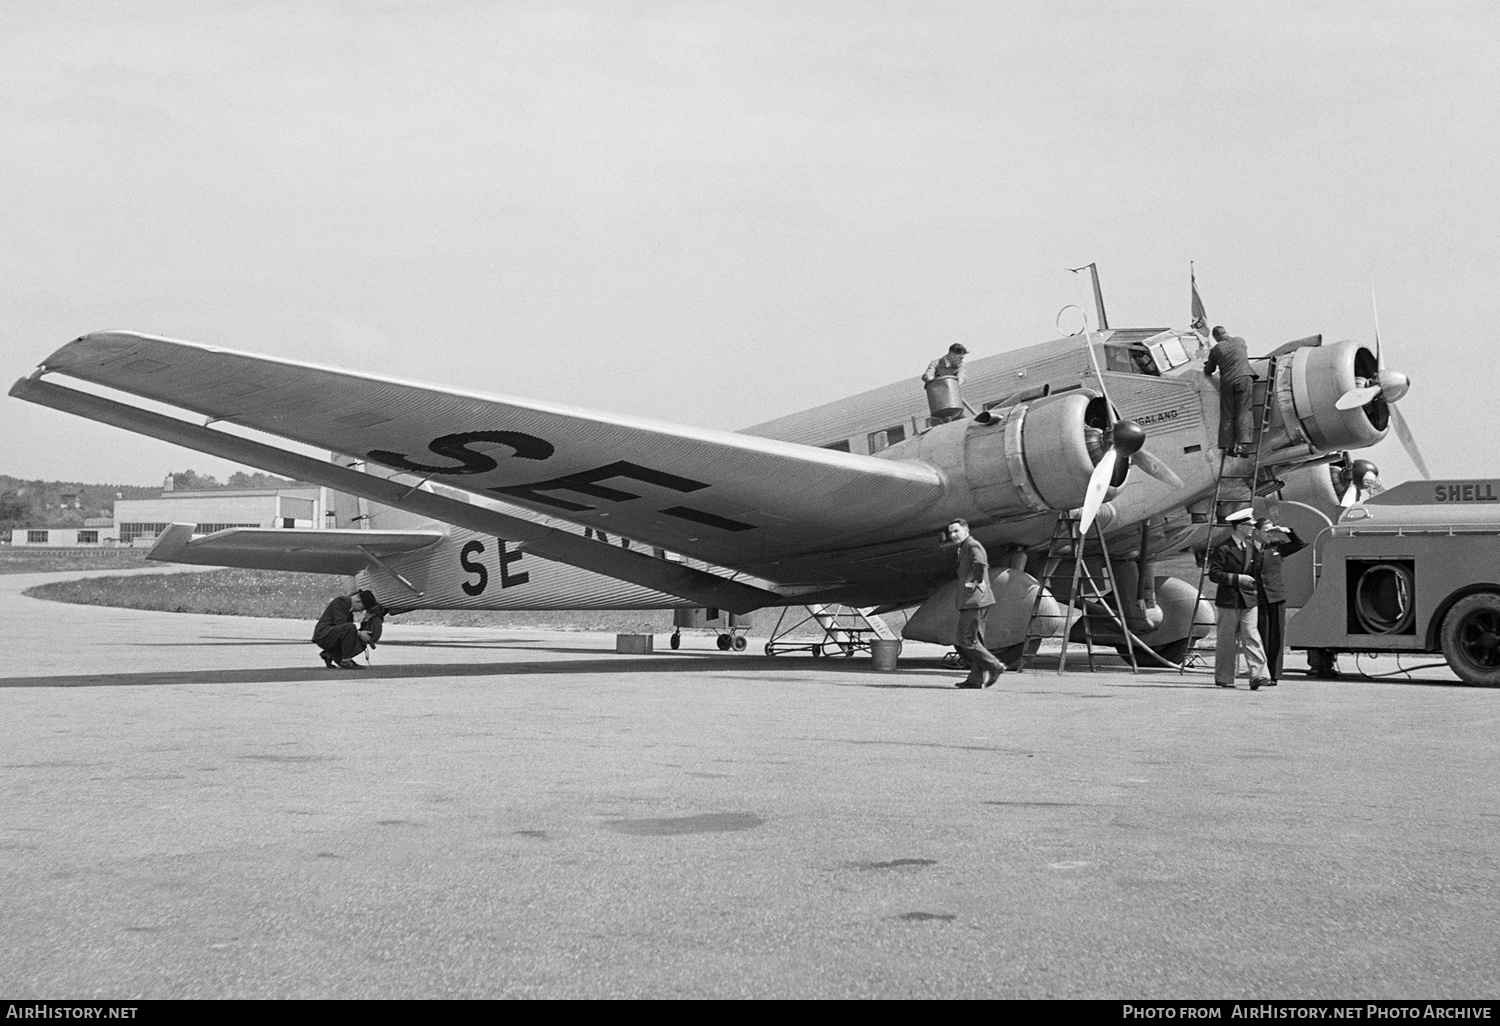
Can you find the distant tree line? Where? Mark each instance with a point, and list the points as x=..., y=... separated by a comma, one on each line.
x=69, y=503
x=192, y=481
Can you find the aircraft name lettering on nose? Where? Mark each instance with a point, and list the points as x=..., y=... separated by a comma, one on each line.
x=473, y=566
x=1157, y=418
x=588, y=483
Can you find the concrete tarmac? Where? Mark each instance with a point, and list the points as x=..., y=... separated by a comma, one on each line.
x=193, y=807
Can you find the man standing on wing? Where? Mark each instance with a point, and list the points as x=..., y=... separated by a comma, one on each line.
x=949, y=365
x=1236, y=566
x=974, y=600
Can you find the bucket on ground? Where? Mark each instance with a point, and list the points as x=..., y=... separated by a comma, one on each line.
x=883, y=654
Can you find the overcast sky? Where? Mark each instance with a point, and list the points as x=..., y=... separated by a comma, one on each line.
x=720, y=212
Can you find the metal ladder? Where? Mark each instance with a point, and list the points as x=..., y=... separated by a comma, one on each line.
x=1249, y=480
x=845, y=630
x=1066, y=540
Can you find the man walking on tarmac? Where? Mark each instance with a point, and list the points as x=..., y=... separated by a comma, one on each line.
x=1236, y=565
x=1231, y=358
x=974, y=600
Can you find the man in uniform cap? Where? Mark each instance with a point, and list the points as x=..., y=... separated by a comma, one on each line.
x=949, y=365
x=1276, y=543
x=1231, y=358
x=1236, y=565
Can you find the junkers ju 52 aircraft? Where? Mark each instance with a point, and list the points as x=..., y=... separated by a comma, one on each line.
x=843, y=503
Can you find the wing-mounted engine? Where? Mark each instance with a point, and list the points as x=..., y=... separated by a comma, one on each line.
x=1310, y=381
x=1015, y=461
x=1031, y=458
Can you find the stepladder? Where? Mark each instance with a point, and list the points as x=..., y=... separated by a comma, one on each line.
x=1083, y=586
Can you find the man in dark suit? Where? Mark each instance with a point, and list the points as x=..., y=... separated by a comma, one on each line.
x=1231, y=358
x=337, y=637
x=1276, y=543
x=1236, y=566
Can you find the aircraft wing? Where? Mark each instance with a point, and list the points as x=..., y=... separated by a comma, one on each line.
x=733, y=500
x=302, y=549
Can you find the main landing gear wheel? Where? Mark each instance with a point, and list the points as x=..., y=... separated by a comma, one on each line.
x=723, y=642
x=738, y=643
x=676, y=640
x=1471, y=639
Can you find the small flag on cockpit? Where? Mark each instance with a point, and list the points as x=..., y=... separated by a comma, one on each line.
x=1200, y=319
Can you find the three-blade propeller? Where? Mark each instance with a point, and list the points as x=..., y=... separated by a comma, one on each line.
x=1126, y=439
x=1390, y=386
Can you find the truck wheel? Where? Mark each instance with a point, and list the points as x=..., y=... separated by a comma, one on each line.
x=1471, y=639
x=1323, y=663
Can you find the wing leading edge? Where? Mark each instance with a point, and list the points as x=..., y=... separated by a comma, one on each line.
x=730, y=499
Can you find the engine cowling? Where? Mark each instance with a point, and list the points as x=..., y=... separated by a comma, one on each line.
x=1313, y=381
x=1030, y=458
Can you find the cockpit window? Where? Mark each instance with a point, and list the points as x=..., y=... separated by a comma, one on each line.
x=1151, y=356
x=1134, y=359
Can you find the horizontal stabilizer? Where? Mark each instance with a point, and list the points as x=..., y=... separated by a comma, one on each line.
x=301, y=549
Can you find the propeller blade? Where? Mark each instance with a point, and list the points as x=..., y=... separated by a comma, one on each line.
x=1409, y=442
x=1150, y=464
x=1350, y=494
x=1356, y=397
x=1094, y=497
x=1375, y=313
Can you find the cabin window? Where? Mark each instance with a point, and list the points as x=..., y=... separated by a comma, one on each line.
x=887, y=438
x=836, y=446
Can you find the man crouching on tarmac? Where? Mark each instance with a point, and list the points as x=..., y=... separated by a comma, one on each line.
x=336, y=635
x=974, y=600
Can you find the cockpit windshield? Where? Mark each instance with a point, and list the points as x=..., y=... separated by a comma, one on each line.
x=1155, y=355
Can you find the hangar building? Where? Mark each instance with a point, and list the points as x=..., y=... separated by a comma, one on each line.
x=139, y=521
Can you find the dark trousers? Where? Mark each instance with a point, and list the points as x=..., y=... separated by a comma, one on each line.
x=341, y=641
x=1270, y=623
x=971, y=643
x=1235, y=425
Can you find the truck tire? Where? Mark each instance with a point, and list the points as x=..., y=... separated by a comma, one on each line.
x=1471, y=639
